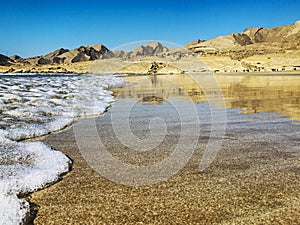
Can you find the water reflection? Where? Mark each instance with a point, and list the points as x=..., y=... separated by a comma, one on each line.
x=253, y=94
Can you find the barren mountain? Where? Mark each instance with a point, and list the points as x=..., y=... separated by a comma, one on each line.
x=80, y=59
x=90, y=53
x=151, y=49
x=83, y=53
x=251, y=41
x=4, y=60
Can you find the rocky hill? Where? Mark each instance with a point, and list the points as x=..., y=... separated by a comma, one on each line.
x=252, y=41
x=151, y=49
x=80, y=54
x=4, y=60
x=85, y=53
x=81, y=59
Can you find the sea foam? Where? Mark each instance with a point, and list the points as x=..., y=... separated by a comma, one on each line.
x=33, y=106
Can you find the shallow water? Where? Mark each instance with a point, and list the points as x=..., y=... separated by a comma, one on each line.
x=158, y=111
x=252, y=94
x=255, y=172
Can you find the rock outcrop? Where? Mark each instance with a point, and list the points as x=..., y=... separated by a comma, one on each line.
x=118, y=53
x=44, y=61
x=56, y=53
x=16, y=58
x=5, y=61
x=81, y=54
x=151, y=49
x=253, y=34
x=155, y=48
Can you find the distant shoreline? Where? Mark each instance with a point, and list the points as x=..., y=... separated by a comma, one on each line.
x=135, y=74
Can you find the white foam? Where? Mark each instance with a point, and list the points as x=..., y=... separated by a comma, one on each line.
x=33, y=106
x=29, y=167
x=28, y=110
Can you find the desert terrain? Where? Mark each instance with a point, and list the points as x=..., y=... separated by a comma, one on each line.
x=261, y=50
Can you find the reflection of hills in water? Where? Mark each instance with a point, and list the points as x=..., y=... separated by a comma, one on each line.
x=156, y=88
x=254, y=94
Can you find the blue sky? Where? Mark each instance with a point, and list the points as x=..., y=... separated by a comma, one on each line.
x=32, y=28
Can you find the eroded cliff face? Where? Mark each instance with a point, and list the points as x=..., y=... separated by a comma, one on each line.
x=251, y=41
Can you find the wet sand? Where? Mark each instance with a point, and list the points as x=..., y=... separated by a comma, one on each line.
x=253, y=180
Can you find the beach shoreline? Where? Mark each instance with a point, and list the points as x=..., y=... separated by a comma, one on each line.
x=252, y=180
x=138, y=73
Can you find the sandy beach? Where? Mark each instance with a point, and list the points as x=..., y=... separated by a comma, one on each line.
x=146, y=112
x=253, y=180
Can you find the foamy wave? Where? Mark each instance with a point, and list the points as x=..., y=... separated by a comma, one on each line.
x=26, y=168
x=33, y=106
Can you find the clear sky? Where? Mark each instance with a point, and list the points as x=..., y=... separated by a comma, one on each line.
x=30, y=28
